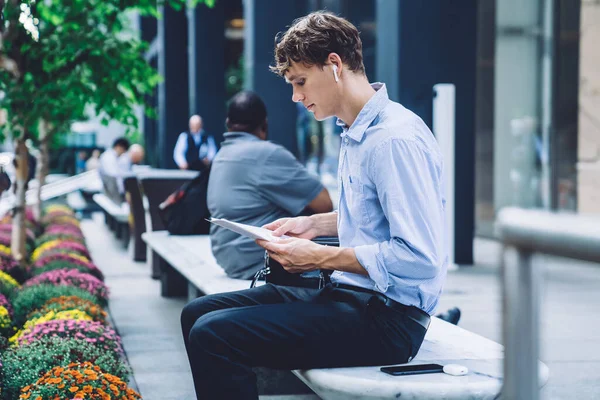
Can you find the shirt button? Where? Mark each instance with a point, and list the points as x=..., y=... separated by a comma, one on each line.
x=346, y=140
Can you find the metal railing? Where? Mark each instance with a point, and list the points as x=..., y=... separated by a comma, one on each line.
x=50, y=190
x=523, y=233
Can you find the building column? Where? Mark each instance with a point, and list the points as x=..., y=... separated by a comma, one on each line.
x=173, y=100
x=263, y=20
x=588, y=167
x=206, y=60
x=148, y=28
x=412, y=58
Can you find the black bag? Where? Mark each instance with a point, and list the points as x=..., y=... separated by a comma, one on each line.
x=185, y=211
x=274, y=273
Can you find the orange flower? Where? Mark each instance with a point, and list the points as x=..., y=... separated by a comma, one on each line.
x=73, y=389
x=26, y=388
x=25, y=395
x=88, y=389
x=62, y=385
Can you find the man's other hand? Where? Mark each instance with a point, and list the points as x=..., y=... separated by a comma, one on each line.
x=300, y=227
x=294, y=254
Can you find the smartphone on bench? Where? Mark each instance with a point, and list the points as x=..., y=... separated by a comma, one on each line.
x=413, y=369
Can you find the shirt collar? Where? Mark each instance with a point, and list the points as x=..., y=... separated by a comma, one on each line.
x=239, y=136
x=368, y=113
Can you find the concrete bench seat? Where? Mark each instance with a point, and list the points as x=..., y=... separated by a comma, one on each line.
x=116, y=216
x=192, y=259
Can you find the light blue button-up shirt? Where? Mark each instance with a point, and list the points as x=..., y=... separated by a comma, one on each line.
x=392, y=201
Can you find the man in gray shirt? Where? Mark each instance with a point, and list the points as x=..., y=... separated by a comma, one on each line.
x=254, y=182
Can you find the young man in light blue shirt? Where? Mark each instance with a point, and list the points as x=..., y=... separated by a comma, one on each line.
x=388, y=273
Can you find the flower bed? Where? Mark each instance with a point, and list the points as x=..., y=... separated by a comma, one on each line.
x=79, y=381
x=60, y=345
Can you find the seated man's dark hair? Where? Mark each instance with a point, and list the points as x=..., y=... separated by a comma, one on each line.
x=246, y=112
x=121, y=142
x=311, y=39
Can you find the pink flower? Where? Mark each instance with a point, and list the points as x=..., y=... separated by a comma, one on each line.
x=72, y=277
x=74, y=329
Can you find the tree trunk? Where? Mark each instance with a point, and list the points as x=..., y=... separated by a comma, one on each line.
x=18, y=227
x=42, y=167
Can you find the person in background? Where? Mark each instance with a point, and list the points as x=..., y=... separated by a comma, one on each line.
x=254, y=181
x=135, y=155
x=80, y=162
x=94, y=161
x=117, y=162
x=109, y=160
x=195, y=149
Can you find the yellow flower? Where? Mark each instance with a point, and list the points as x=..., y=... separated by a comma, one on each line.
x=57, y=207
x=5, y=249
x=50, y=316
x=8, y=279
x=78, y=257
x=46, y=246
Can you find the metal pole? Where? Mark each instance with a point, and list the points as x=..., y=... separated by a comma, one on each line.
x=521, y=283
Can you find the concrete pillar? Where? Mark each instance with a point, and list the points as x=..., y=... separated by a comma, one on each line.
x=173, y=100
x=412, y=59
x=588, y=184
x=263, y=20
x=206, y=60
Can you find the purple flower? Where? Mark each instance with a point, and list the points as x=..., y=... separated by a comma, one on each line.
x=6, y=304
x=70, y=328
x=65, y=258
x=72, y=277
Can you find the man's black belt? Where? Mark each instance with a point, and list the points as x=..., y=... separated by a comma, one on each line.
x=416, y=314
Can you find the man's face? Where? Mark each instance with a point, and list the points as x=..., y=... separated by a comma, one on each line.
x=119, y=150
x=315, y=88
x=195, y=126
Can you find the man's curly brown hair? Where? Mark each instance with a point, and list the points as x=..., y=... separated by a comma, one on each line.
x=311, y=39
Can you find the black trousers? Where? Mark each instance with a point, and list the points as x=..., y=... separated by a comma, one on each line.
x=289, y=328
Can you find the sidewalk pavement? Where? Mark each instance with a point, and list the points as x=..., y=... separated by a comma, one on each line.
x=149, y=323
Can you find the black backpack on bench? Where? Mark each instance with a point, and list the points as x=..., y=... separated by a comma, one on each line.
x=185, y=211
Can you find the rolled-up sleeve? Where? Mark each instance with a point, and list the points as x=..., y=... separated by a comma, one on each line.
x=408, y=180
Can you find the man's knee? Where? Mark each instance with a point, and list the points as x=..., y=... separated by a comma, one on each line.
x=194, y=310
x=211, y=330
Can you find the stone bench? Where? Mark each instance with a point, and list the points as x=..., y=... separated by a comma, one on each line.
x=189, y=264
x=115, y=215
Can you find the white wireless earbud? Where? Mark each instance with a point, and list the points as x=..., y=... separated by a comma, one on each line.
x=335, y=75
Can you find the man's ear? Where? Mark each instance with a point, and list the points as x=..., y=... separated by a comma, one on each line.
x=335, y=59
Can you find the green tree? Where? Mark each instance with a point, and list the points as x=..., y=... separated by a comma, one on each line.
x=58, y=57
